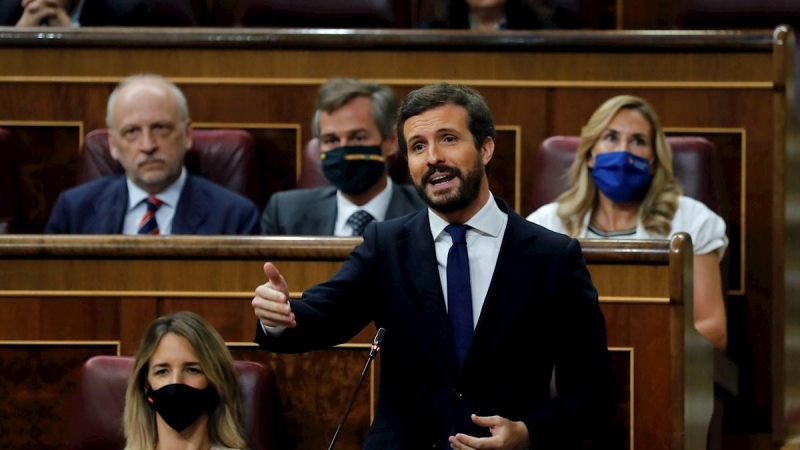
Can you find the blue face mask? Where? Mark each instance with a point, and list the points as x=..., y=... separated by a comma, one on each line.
x=622, y=176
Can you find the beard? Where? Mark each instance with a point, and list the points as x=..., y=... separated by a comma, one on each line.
x=467, y=192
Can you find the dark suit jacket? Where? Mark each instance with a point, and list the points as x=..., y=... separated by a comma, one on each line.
x=541, y=312
x=98, y=207
x=312, y=212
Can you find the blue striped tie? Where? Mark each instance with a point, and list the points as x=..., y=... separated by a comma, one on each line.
x=148, y=224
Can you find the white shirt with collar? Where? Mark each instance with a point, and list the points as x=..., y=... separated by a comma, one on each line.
x=164, y=215
x=484, y=237
x=75, y=15
x=376, y=207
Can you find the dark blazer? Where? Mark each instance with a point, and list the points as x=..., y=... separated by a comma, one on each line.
x=541, y=312
x=312, y=212
x=98, y=207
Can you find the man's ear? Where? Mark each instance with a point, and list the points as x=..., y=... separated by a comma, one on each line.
x=111, y=146
x=487, y=150
x=389, y=146
x=188, y=132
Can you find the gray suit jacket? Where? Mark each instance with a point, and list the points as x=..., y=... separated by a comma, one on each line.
x=312, y=212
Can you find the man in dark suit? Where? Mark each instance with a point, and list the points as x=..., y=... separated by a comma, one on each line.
x=354, y=123
x=479, y=305
x=149, y=134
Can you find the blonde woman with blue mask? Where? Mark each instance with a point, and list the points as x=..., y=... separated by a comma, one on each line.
x=622, y=186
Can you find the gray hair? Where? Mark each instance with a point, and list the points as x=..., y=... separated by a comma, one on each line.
x=183, y=106
x=337, y=92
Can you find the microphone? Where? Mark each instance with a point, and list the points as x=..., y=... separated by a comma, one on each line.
x=376, y=347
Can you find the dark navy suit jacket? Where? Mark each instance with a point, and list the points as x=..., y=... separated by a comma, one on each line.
x=541, y=313
x=312, y=212
x=98, y=207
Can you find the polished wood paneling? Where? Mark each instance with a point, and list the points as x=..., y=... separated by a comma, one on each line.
x=37, y=383
x=314, y=390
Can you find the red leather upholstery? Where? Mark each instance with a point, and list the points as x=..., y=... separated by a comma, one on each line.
x=311, y=167
x=96, y=421
x=323, y=13
x=143, y=13
x=7, y=192
x=226, y=157
x=694, y=160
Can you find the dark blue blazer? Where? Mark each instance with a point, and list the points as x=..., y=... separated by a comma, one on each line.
x=98, y=207
x=541, y=313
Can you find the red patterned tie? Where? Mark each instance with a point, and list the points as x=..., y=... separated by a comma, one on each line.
x=148, y=224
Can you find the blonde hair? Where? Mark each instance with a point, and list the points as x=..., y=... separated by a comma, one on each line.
x=216, y=361
x=661, y=201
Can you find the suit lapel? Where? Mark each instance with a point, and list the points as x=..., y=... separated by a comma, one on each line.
x=419, y=257
x=320, y=216
x=398, y=204
x=192, y=209
x=509, y=286
x=110, y=208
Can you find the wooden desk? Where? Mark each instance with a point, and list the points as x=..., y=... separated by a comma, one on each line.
x=64, y=298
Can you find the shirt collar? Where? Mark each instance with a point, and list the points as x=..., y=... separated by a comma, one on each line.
x=168, y=196
x=488, y=221
x=376, y=207
x=75, y=15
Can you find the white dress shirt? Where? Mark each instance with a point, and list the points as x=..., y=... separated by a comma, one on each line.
x=376, y=207
x=137, y=207
x=75, y=15
x=484, y=237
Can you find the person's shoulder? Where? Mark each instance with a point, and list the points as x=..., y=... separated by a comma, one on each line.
x=84, y=190
x=707, y=228
x=296, y=195
x=547, y=216
x=543, y=232
x=544, y=211
x=690, y=209
x=410, y=192
x=217, y=192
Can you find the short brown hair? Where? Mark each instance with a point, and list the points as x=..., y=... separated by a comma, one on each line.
x=337, y=92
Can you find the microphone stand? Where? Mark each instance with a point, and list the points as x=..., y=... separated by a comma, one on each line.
x=376, y=346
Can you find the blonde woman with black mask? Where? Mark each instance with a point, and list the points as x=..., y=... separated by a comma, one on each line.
x=183, y=393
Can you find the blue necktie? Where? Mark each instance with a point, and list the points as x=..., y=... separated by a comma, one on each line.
x=148, y=224
x=459, y=292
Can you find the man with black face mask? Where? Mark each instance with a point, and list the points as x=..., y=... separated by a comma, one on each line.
x=354, y=123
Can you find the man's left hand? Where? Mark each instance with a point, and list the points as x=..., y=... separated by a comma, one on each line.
x=506, y=435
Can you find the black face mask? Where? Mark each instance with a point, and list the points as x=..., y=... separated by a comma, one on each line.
x=180, y=405
x=355, y=169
